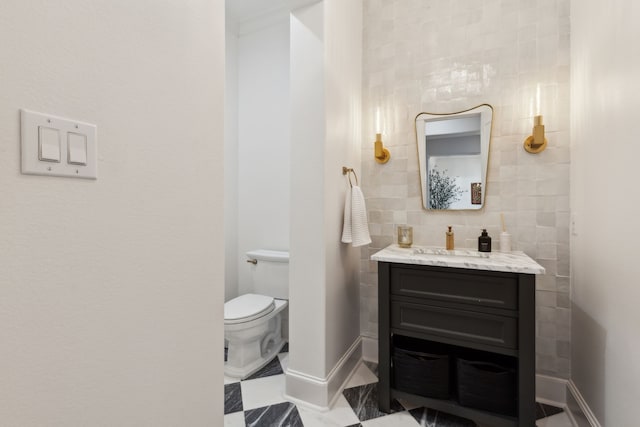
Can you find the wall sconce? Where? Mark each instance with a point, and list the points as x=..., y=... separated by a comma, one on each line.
x=536, y=142
x=381, y=154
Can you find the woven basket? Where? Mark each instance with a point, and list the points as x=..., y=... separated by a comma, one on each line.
x=421, y=373
x=487, y=386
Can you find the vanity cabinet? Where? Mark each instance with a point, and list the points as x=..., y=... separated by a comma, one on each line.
x=490, y=314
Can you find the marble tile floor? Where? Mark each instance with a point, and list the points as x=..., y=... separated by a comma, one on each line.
x=259, y=401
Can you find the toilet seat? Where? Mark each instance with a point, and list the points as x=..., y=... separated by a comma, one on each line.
x=246, y=308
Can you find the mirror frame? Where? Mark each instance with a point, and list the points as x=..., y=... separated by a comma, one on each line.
x=485, y=143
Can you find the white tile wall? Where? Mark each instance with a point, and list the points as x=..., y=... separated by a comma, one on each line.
x=450, y=55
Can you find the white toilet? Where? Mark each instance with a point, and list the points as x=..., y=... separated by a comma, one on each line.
x=253, y=322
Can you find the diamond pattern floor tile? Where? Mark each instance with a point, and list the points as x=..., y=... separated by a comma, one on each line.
x=232, y=398
x=280, y=415
x=364, y=401
x=271, y=368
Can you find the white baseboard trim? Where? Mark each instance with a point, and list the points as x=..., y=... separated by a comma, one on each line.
x=370, y=348
x=578, y=408
x=551, y=390
x=321, y=393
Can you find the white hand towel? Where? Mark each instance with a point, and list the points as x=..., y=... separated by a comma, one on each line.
x=356, y=227
x=359, y=224
x=346, y=227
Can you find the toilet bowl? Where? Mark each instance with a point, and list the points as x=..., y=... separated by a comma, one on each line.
x=253, y=322
x=253, y=330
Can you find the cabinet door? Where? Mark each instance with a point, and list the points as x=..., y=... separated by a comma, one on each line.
x=462, y=325
x=481, y=289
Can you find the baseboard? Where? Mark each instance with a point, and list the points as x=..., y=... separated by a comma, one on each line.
x=579, y=410
x=320, y=393
x=551, y=390
x=370, y=349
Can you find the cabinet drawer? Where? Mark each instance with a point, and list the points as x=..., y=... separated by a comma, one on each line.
x=478, y=288
x=458, y=324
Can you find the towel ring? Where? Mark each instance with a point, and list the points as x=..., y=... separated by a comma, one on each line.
x=349, y=171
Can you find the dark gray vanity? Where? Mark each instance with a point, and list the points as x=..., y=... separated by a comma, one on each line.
x=462, y=310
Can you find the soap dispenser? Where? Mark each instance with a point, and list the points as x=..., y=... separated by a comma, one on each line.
x=484, y=242
x=449, y=244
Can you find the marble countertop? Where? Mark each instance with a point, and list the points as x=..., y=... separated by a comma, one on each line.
x=510, y=262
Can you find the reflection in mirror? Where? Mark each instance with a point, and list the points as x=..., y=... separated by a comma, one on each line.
x=453, y=153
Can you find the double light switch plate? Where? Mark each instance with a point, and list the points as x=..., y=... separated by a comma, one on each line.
x=57, y=146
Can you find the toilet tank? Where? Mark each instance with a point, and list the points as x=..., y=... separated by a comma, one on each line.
x=270, y=274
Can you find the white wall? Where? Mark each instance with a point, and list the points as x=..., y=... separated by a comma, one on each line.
x=307, y=287
x=231, y=162
x=343, y=89
x=440, y=56
x=111, y=290
x=263, y=142
x=326, y=102
x=605, y=65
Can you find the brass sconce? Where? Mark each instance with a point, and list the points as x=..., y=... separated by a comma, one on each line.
x=536, y=142
x=381, y=154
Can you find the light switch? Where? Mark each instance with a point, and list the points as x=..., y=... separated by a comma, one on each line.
x=48, y=144
x=76, y=149
x=57, y=146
